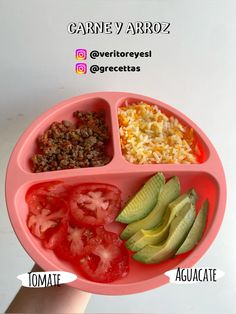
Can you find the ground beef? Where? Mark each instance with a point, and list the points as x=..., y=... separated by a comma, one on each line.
x=66, y=145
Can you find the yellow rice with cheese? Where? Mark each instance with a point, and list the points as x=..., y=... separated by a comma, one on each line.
x=149, y=136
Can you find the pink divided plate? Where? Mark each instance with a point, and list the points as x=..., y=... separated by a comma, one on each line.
x=207, y=178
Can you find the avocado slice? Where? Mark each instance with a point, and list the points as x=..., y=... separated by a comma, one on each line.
x=143, y=201
x=154, y=254
x=196, y=231
x=169, y=192
x=160, y=233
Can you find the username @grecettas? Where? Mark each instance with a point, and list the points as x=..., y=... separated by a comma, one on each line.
x=194, y=275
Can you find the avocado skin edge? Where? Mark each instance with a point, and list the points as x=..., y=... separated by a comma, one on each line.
x=196, y=231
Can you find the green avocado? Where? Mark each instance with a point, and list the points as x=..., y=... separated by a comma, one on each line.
x=160, y=233
x=154, y=254
x=143, y=201
x=196, y=231
x=169, y=192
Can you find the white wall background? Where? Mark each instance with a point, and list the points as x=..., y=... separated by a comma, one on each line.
x=193, y=69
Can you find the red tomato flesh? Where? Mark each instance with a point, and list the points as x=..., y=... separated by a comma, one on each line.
x=35, y=196
x=94, y=204
x=46, y=208
x=47, y=214
x=73, y=243
x=106, y=258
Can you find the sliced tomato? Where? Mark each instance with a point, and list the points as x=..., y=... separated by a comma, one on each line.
x=55, y=236
x=48, y=214
x=68, y=220
x=94, y=204
x=106, y=258
x=73, y=243
x=35, y=196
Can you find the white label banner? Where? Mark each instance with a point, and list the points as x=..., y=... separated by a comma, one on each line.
x=46, y=279
x=194, y=275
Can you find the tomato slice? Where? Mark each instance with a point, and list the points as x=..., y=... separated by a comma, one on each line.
x=73, y=243
x=35, y=196
x=48, y=213
x=69, y=221
x=106, y=258
x=94, y=204
x=55, y=236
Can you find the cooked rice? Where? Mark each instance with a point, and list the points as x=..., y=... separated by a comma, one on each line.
x=148, y=136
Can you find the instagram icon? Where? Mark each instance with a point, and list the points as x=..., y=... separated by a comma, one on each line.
x=81, y=68
x=81, y=54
